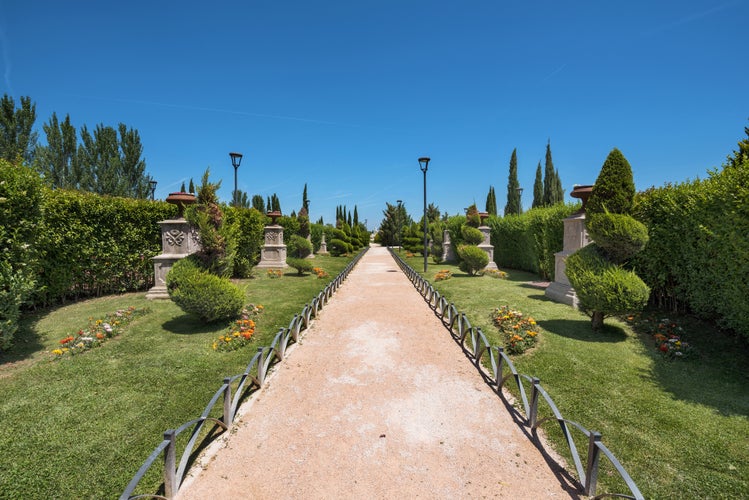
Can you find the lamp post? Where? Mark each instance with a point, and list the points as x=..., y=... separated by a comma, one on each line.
x=520, y=203
x=398, y=223
x=153, y=189
x=236, y=159
x=424, y=165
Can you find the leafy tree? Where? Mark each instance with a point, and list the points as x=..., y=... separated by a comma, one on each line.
x=275, y=203
x=55, y=161
x=614, y=189
x=513, y=186
x=742, y=155
x=491, y=202
x=538, y=188
x=17, y=140
x=258, y=203
x=240, y=199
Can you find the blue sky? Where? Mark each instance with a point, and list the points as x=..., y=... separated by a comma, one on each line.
x=345, y=96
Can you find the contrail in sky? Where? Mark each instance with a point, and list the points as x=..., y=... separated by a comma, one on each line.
x=690, y=18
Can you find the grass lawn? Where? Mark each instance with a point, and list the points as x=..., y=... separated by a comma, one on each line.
x=680, y=428
x=80, y=427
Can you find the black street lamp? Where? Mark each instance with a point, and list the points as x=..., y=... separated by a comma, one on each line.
x=399, y=222
x=153, y=189
x=236, y=159
x=520, y=203
x=424, y=165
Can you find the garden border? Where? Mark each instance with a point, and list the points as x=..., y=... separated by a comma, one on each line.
x=248, y=383
x=475, y=345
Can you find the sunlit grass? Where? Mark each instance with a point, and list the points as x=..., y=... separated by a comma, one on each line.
x=680, y=428
x=80, y=427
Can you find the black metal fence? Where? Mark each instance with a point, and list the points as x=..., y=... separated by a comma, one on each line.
x=232, y=393
x=474, y=343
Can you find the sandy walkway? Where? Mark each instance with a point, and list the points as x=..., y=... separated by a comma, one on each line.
x=376, y=402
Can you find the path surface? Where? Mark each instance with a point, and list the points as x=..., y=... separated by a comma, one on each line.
x=377, y=401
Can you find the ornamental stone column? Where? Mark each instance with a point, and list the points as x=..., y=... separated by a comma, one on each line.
x=273, y=253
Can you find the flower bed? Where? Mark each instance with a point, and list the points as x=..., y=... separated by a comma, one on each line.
x=667, y=335
x=443, y=275
x=97, y=332
x=241, y=332
x=520, y=332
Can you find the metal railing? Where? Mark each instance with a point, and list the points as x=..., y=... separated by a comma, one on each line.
x=232, y=393
x=477, y=348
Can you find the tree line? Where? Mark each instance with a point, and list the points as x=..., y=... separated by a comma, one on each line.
x=105, y=160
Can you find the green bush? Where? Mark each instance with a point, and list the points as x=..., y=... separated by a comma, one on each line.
x=614, y=189
x=472, y=259
x=298, y=247
x=471, y=235
x=620, y=236
x=337, y=247
x=20, y=217
x=602, y=287
x=196, y=291
x=301, y=265
x=246, y=227
x=472, y=216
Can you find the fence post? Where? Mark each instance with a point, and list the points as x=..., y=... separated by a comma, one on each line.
x=594, y=453
x=261, y=366
x=500, y=368
x=228, y=417
x=533, y=411
x=170, y=464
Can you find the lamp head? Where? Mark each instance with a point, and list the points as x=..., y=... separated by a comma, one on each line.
x=424, y=163
x=236, y=159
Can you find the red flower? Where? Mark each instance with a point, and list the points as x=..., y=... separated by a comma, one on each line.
x=663, y=347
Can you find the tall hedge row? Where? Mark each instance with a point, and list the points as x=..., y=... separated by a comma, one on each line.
x=91, y=245
x=529, y=241
x=698, y=253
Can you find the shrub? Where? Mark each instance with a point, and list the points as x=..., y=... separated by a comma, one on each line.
x=300, y=264
x=246, y=228
x=298, y=247
x=198, y=292
x=472, y=216
x=473, y=259
x=471, y=235
x=604, y=288
x=620, y=236
x=614, y=189
x=20, y=217
x=337, y=247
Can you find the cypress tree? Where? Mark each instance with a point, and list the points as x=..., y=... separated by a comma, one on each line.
x=548, y=178
x=538, y=188
x=356, y=216
x=558, y=191
x=614, y=189
x=513, y=186
x=182, y=188
x=491, y=202
x=269, y=205
x=192, y=187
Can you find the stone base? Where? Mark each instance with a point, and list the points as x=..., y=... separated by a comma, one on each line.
x=562, y=293
x=162, y=264
x=273, y=257
x=491, y=266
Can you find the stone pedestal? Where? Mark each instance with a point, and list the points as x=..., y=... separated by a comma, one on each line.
x=178, y=240
x=575, y=237
x=448, y=251
x=312, y=253
x=323, y=246
x=487, y=247
x=273, y=253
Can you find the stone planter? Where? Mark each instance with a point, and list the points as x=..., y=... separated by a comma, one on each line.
x=181, y=200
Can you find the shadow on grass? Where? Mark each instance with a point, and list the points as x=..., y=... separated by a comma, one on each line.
x=580, y=330
x=26, y=342
x=188, y=324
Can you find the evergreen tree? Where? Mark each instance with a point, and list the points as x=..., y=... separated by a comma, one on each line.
x=356, y=216
x=275, y=203
x=182, y=188
x=269, y=204
x=549, y=178
x=17, y=140
x=191, y=189
x=491, y=202
x=614, y=189
x=240, y=199
x=55, y=161
x=538, y=188
x=513, y=186
x=305, y=200
x=433, y=213
x=258, y=203
x=558, y=191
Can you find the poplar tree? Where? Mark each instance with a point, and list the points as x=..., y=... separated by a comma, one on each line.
x=17, y=140
x=538, y=188
x=513, y=186
x=55, y=161
x=258, y=203
x=491, y=202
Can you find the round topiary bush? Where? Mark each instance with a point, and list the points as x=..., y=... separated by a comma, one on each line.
x=473, y=259
x=300, y=264
x=337, y=247
x=471, y=235
x=298, y=247
x=198, y=292
x=620, y=236
x=604, y=288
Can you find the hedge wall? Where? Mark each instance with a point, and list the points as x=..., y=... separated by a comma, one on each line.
x=698, y=254
x=91, y=245
x=529, y=242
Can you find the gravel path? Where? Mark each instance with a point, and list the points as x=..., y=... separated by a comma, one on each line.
x=377, y=401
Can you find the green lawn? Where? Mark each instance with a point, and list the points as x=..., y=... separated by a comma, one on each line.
x=680, y=428
x=80, y=427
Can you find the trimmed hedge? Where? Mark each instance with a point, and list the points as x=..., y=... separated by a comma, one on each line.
x=529, y=242
x=472, y=259
x=697, y=257
x=620, y=236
